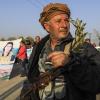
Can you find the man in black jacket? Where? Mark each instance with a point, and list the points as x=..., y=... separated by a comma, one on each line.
x=81, y=79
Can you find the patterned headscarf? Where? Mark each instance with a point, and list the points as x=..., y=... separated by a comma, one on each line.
x=53, y=9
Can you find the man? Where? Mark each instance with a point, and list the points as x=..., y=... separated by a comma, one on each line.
x=37, y=39
x=88, y=40
x=21, y=57
x=81, y=80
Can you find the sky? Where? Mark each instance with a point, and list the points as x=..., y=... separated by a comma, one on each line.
x=20, y=17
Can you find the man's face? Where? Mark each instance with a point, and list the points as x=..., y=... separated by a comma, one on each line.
x=58, y=26
x=37, y=39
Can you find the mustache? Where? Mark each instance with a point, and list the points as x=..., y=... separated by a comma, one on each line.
x=63, y=30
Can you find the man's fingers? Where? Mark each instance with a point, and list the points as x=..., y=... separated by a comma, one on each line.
x=54, y=54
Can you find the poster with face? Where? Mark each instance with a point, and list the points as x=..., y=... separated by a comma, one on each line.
x=8, y=51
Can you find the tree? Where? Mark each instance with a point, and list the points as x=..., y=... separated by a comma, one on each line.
x=11, y=38
x=2, y=39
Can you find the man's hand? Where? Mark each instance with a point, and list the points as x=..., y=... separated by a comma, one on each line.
x=58, y=58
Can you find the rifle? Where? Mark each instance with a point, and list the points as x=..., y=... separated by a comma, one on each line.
x=42, y=81
x=45, y=78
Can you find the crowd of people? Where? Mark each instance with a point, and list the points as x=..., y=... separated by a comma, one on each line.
x=24, y=53
x=23, y=56
x=89, y=41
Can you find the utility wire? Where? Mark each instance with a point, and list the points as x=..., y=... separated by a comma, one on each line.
x=46, y=1
x=30, y=2
x=33, y=4
x=41, y=4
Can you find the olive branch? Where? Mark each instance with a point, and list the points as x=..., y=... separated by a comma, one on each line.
x=79, y=34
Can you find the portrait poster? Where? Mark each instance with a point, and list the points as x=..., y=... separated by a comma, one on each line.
x=8, y=51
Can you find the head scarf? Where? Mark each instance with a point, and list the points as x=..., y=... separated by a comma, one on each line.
x=53, y=9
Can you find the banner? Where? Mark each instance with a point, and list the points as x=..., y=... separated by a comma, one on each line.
x=8, y=51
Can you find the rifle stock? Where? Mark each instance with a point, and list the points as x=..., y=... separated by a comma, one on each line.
x=41, y=82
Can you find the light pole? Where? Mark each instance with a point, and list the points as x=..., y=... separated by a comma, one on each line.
x=90, y=36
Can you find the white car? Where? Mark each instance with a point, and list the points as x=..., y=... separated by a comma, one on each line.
x=98, y=48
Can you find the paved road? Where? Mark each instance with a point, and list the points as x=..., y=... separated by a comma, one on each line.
x=4, y=86
x=10, y=89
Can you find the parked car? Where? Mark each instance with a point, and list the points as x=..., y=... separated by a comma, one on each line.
x=98, y=48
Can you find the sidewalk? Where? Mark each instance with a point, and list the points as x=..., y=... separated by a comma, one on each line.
x=10, y=89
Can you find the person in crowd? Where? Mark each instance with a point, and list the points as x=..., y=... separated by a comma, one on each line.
x=29, y=48
x=21, y=57
x=80, y=77
x=94, y=44
x=7, y=49
x=88, y=40
x=37, y=39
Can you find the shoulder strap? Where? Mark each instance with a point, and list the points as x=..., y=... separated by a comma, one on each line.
x=67, y=48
